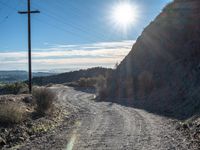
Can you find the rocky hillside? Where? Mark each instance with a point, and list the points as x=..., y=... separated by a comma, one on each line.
x=163, y=67
x=71, y=76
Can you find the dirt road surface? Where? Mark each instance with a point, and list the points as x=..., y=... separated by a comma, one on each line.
x=109, y=126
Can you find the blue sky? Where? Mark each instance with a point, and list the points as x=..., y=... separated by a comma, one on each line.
x=69, y=34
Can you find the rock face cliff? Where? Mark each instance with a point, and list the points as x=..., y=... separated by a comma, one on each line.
x=164, y=63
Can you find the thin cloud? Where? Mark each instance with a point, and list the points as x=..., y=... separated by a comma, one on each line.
x=104, y=54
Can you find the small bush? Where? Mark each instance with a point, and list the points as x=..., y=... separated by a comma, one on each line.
x=87, y=82
x=44, y=98
x=11, y=113
x=101, y=87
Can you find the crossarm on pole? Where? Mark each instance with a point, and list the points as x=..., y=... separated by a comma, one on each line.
x=31, y=12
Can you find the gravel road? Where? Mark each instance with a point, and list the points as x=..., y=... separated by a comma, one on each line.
x=109, y=126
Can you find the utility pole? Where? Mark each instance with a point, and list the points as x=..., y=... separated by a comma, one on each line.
x=29, y=12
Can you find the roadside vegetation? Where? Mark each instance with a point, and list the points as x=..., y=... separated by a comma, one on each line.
x=90, y=82
x=25, y=116
x=44, y=99
x=11, y=113
x=97, y=83
x=14, y=88
x=13, y=110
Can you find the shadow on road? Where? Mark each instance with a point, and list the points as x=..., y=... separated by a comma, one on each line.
x=89, y=90
x=180, y=110
x=173, y=111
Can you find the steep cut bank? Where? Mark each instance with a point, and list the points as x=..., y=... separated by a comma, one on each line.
x=163, y=68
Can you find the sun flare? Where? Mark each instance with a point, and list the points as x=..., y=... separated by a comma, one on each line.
x=124, y=15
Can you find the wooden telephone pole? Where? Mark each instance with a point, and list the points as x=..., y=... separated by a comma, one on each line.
x=29, y=12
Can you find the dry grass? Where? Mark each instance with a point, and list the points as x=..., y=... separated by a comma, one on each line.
x=11, y=113
x=44, y=99
x=87, y=82
x=101, y=88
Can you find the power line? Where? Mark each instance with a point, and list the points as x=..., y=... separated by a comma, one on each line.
x=3, y=6
x=59, y=19
x=80, y=28
x=69, y=25
x=3, y=3
x=4, y=19
x=72, y=26
x=10, y=13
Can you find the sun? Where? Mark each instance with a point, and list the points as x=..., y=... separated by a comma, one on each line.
x=124, y=15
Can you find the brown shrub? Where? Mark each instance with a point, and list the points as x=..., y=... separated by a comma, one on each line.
x=44, y=99
x=11, y=113
x=87, y=82
x=101, y=88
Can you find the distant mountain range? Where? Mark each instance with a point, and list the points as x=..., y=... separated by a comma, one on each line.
x=17, y=75
x=71, y=76
x=44, y=78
